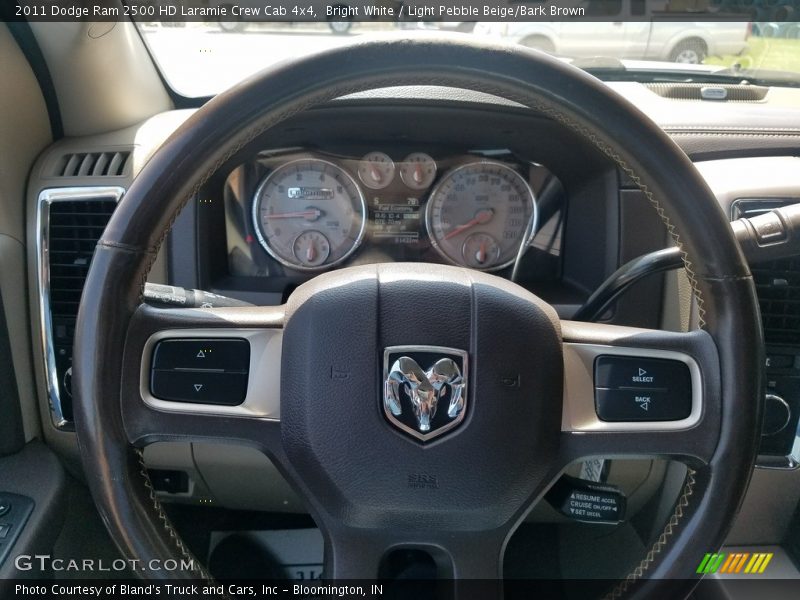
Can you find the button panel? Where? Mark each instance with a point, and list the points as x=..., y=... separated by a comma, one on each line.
x=202, y=370
x=17, y=511
x=632, y=389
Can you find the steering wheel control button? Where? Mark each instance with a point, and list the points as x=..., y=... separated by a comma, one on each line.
x=5, y=506
x=204, y=354
x=587, y=501
x=203, y=371
x=630, y=389
x=201, y=387
x=623, y=371
x=634, y=405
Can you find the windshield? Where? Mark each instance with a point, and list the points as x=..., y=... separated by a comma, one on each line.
x=206, y=57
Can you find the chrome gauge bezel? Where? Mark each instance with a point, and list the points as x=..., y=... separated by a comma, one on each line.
x=437, y=188
x=264, y=243
x=389, y=164
x=410, y=184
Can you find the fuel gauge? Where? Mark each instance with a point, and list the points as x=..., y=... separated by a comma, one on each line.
x=376, y=170
x=311, y=248
x=418, y=170
x=480, y=251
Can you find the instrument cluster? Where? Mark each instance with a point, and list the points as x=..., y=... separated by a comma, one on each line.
x=313, y=211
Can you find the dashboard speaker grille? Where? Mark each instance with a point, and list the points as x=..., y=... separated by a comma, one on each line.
x=777, y=282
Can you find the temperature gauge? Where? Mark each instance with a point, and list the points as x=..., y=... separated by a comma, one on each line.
x=311, y=248
x=376, y=170
x=418, y=170
x=480, y=251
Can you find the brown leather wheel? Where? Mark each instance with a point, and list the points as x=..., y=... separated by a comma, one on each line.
x=334, y=331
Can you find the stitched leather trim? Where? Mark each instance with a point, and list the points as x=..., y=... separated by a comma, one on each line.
x=198, y=569
x=683, y=502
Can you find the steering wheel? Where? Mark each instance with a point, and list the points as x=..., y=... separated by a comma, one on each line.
x=528, y=408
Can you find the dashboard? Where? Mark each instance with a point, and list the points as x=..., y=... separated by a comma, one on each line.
x=414, y=167
x=348, y=184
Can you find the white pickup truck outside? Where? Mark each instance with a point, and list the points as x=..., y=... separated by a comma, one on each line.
x=655, y=39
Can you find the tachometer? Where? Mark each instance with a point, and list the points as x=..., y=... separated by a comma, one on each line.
x=309, y=214
x=478, y=215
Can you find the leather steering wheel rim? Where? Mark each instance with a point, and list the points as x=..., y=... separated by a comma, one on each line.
x=716, y=268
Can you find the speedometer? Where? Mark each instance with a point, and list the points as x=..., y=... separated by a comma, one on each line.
x=478, y=215
x=309, y=214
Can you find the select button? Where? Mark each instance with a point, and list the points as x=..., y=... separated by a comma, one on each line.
x=627, y=405
x=633, y=372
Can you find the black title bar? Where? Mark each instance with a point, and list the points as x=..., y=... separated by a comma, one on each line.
x=401, y=10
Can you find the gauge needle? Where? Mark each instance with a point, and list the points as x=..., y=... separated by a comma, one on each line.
x=311, y=253
x=311, y=215
x=481, y=217
x=375, y=173
x=480, y=255
x=418, y=173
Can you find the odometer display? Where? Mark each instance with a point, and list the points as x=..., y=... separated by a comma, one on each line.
x=478, y=215
x=309, y=214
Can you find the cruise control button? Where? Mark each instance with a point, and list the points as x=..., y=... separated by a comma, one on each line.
x=201, y=387
x=216, y=354
x=627, y=371
x=641, y=405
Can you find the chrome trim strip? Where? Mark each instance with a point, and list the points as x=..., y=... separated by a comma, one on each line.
x=578, y=412
x=47, y=197
x=263, y=398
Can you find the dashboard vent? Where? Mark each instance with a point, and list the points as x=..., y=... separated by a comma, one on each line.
x=777, y=281
x=93, y=164
x=71, y=221
x=704, y=91
x=75, y=226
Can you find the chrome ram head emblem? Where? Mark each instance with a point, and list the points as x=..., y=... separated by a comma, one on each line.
x=424, y=389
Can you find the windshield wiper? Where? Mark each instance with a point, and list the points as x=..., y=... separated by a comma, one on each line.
x=613, y=69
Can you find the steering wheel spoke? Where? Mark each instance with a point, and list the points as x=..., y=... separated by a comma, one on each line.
x=203, y=375
x=636, y=392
